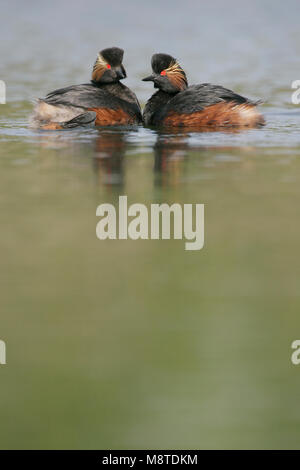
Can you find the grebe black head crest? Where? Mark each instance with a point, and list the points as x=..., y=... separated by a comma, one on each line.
x=108, y=67
x=160, y=62
x=113, y=55
x=167, y=74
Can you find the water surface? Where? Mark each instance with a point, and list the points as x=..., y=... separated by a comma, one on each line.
x=141, y=344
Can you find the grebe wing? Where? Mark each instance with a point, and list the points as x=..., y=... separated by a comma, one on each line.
x=89, y=96
x=132, y=97
x=82, y=96
x=197, y=97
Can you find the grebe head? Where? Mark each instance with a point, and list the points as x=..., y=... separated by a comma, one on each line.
x=167, y=74
x=108, y=67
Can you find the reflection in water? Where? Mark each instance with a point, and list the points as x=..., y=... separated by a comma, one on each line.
x=169, y=152
x=106, y=149
x=108, y=160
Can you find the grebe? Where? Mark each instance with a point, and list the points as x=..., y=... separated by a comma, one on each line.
x=178, y=105
x=105, y=101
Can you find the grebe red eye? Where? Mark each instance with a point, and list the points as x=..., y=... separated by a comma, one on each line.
x=163, y=72
x=108, y=66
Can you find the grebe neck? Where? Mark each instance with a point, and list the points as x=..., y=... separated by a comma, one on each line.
x=155, y=104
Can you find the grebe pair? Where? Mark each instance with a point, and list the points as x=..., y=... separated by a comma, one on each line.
x=105, y=101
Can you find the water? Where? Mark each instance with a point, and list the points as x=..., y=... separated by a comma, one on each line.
x=140, y=344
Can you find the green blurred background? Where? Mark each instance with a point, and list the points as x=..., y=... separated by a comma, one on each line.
x=141, y=344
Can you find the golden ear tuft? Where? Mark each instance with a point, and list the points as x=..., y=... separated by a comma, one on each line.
x=99, y=68
x=176, y=75
x=174, y=67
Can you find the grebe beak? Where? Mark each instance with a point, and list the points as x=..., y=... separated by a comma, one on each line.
x=120, y=74
x=149, y=79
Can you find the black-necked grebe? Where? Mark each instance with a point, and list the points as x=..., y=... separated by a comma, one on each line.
x=178, y=105
x=105, y=101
